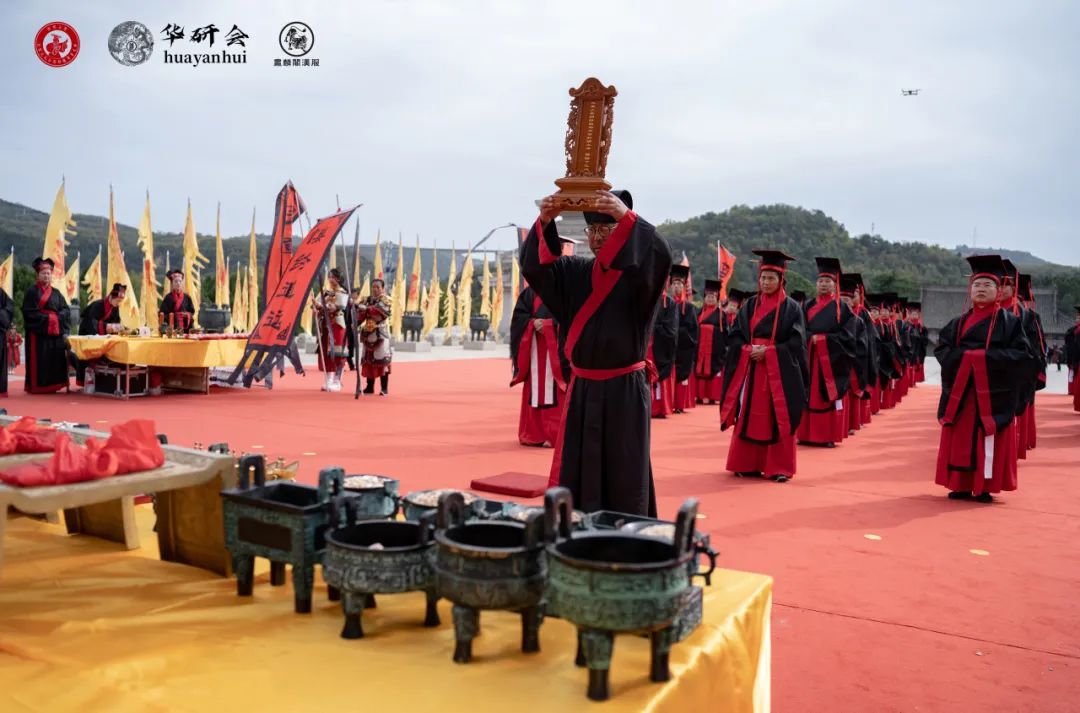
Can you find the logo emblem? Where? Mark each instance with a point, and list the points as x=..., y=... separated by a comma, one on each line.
x=296, y=39
x=57, y=44
x=131, y=43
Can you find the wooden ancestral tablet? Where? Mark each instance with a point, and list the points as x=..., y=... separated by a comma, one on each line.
x=588, y=138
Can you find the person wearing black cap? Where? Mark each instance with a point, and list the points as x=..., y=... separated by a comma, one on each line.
x=661, y=353
x=607, y=305
x=1033, y=328
x=890, y=353
x=857, y=405
x=177, y=311
x=687, y=344
x=1072, y=360
x=980, y=353
x=101, y=317
x=799, y=296
x=765, y=377
x=45, y=315
x=7, y=321
x=830, y=330
x=907, y=348
x=920, y=340
x=712, y=331
x=1010, y=301
x=536, y=342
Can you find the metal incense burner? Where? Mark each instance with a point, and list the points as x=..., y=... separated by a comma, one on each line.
x=366, y=557
x=608, y=582
x=282, y=521
x=483, y=564
x=374, y=496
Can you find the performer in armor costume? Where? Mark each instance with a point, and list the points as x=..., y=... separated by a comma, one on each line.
x=330, y=307
x=373, y=316
x=45, y=314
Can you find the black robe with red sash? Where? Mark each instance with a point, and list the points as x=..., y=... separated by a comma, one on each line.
x=686, y=346
x=98, y=315
x=7, y=318
x=980, y=393
x=665, y=339
x=712, y=341
x=536, y=361
x=784, y=367
x=607, y=305
x=178, y=311
x=860, y=369
x=830, y=335
x=45, y=314
x=889, y=364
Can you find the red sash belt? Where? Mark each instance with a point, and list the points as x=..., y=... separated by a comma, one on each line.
x=606, y=374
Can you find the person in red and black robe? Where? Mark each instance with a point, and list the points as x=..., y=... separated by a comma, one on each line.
x=890, y=356
x=1072, y=360
x=1033, y=329
x=101, y=317
x=1010, y=301
x=535, y=355
x=686, y=345
x=661, y=352
x=45, y=315
x=920, y=340
x=7, y=322
x=712, y=331
x=980, y=354
x=177, y=311
x=857, y=406
x=607, y=304
x=765, y=377
x=830, y=331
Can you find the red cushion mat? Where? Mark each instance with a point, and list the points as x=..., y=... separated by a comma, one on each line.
x=522, y=485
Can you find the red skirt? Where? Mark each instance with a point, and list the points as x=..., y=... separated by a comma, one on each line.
x=874, y=404
x=770, y=459
x=539, y=426
x=920, y=373
x=1076, y=396
x=685, y=393
x=970, y=461
x=663, y=397
x=709, y=389
x=337, y=354
x=888, y=394
x=853, y=409
x=1031, y=430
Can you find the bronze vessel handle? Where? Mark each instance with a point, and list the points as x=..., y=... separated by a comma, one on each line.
x=558, y=514
x=712, y=555
x=252, y=462
x=451, y=510
x=535, y=529
x=426, y=525
x=331, y=482
x=343, y=507
x=684, y=528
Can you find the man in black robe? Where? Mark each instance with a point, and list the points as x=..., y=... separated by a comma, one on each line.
x=1010, y=301
x=858, y=396
x=7, y=320
x=712, y=336
x=662, y=348
x=45, y=315
x=101, y=317
x=687, y=343
x=607, y=305
x=765, y=377
x=920, y=339
x=177, y=312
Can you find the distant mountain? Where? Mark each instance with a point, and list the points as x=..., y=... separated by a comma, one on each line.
x=1020, y=258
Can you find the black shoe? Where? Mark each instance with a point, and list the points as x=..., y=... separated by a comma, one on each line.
x=747, y=474
x=779, y=478
x=830, y=445
x=679, y=410
x=984, y=498
x=959, y=495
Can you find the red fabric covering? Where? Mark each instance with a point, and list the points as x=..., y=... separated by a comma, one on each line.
x=132, y=447
x=26, y=436
x=521, y=485
x=539, y=426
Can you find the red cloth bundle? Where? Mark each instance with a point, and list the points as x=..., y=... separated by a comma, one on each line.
x=132, y=447
x=27, y=436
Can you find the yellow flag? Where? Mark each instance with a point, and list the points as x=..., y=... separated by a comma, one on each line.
x=130, y=316
x=515, y=279
x=221, y=271
x=497, y=298
x=449, y=311
x=55, y=237
x=365, y=289
x=238, y=315
x=398, y=296
x=92, y=278
x=464, y=293
x=194, y=261
x=71, y=281
x=485, y=289
x=245, y=295
x=252, y=294
x=378, y=268
x=151, y=298
x=415, y=289
x=434, y=293
x=305, y=316
x=7, y=275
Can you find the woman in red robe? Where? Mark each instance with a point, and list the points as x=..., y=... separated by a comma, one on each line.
x=535, y=346
x=765, y=377
x=858, y=399
x=45, y=314
x=980, y=353
x=711, y=342
x=686, y=345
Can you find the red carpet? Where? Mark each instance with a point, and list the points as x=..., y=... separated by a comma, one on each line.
x=911, y=621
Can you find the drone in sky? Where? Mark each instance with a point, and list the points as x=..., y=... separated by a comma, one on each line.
x=910, y=92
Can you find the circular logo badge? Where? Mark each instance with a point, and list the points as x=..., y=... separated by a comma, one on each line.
x=296, y=39
x=131, y=43
x=57, y=44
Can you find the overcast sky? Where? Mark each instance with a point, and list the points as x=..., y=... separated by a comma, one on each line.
x=447, y=118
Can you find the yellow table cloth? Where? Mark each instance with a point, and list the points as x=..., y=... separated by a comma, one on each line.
x=87, y=627
x=159, y=351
